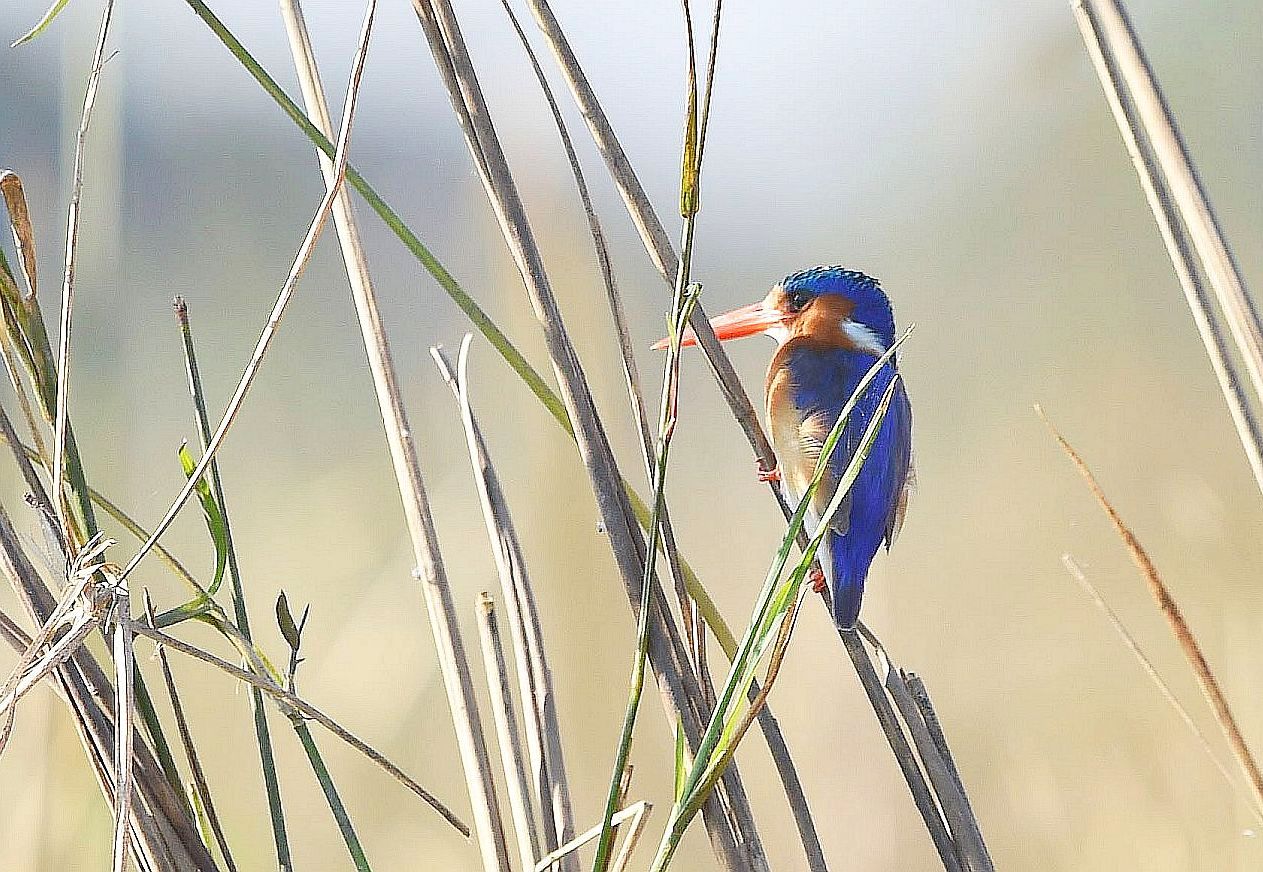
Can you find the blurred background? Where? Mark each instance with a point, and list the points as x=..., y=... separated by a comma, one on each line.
x=963, y=153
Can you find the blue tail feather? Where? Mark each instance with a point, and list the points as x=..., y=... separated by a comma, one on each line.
x=848, y=572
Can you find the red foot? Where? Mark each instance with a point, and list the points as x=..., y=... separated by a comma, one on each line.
x=817, y=579
x=774, y=474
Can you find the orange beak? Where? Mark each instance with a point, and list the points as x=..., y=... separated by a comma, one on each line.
x=746, y=321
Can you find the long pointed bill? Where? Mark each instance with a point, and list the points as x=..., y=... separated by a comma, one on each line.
x=746, y=321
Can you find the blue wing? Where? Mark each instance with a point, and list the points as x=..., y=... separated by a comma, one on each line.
x=823, y=381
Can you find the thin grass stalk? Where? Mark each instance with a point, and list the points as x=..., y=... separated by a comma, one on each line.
x=1191, y=648
x=1076, y=572
x=543, y=731
x=652, y=233
x=19, y=388
x=430, y=571
x=631, y=374
x=330, y=790
x=685, y=300
x=68, y=285
x=262, y=733
x=204, y=802
x=451, y=57
x=511, y=757
x=1181, y=209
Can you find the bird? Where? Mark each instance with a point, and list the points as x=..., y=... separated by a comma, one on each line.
x=831, y=324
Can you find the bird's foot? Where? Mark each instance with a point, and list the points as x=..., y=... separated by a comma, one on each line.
x=818, y=582
x=773, y=474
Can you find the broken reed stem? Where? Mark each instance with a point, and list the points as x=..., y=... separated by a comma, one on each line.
x=675, y=679
x=1206, y=680
x=511, y=758
x=535, y=680
x=955, y=808
x=457, y=680
x=125, y=709
x=1181, y=208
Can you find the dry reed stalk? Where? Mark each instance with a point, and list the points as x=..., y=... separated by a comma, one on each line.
x=430, y=571
x=676, y=681
x=535, y=680
x=60, y=503
x=1206, y=680
x=511, y=757
x=1181, y=208
x=955, y=807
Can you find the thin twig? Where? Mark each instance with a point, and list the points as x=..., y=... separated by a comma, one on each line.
x=511, y=757
x=1077, y=573
x=1181, y=208
x=453, y=663
x=543, y=731
x=1206, y=680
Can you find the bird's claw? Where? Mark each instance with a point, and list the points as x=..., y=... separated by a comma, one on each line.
x=815, y=575
x=773, y=474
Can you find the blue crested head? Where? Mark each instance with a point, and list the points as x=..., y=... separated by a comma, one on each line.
x=869, y=306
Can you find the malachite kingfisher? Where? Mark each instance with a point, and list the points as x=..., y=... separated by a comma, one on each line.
x=830, y=325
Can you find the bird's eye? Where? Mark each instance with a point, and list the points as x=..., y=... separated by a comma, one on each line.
x=797, y=299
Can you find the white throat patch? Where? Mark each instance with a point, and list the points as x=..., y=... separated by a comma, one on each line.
x=863, y=337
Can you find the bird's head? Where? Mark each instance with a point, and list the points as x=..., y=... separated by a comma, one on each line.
x=825, y=305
